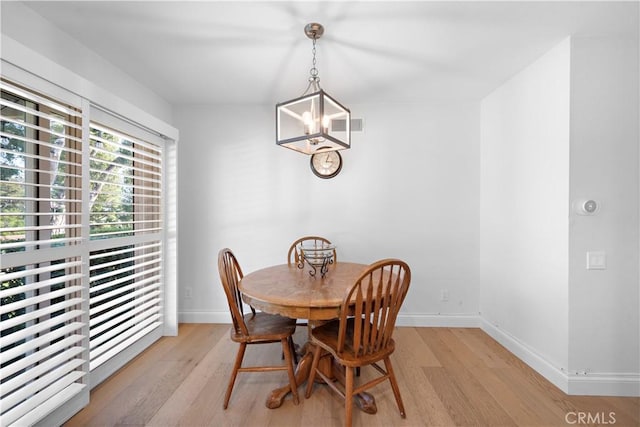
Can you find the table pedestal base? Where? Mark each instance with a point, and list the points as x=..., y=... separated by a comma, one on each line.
x=364, y=401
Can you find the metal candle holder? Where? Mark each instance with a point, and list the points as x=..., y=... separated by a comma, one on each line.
x=316, y=256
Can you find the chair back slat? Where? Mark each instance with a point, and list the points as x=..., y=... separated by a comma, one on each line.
x=374, y=302
x=230, y=275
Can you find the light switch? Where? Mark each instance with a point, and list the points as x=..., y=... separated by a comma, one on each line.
x=597, y=260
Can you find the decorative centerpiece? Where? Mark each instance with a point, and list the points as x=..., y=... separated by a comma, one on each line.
x=317, y=255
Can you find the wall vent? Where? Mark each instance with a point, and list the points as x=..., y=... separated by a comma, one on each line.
x=340, y=125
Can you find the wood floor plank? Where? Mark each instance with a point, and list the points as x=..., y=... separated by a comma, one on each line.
x=628, y=406
x=421, y=401
x=111, y=389
x=482, y=365
x=447, y=377
x=458, y=368
x=474, y=339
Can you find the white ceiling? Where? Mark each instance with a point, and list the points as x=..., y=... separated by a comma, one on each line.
x=256, y=52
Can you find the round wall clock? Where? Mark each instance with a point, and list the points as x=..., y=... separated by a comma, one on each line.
x=326, y=164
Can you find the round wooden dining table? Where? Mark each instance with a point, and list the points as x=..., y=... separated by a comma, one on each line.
x=294, y=292
x=291, y=291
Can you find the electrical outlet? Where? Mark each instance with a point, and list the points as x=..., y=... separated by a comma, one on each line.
x=187, y=293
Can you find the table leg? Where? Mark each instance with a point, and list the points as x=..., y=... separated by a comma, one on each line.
x=364, y=401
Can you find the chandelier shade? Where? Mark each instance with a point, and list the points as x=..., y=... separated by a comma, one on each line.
x=314, y=121
x=308, y=123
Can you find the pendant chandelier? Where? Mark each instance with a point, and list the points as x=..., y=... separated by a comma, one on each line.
x=314, y=121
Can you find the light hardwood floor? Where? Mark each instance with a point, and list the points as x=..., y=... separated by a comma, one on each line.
x=447, y=377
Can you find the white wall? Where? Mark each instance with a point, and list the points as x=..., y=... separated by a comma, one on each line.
x=105, y=82
x=604, y=327
x=409, y=188
x=524, y=207
x=565, y=130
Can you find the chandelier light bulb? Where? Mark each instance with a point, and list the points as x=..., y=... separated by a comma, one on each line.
x=325, y=123
x=307, y=120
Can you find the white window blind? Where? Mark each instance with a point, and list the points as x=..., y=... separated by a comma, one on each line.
x=126, y=235
x=81, y=251
x=43, y=342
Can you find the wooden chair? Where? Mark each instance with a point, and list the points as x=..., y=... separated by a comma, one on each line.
x=293, y=256
x=253, y=328
x=361, y=336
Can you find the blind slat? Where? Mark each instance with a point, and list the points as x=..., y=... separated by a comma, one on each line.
x=105, y=321
x=126, y=268
x=142, y=247
x=41, y=383
x=120, y=300
x=33, y=344
x=133, y=162
x=39, y=270
x=39, y=143
x=116, y=343
x=123, y=136
x=95, y=289
x=38, y=113
x=39, y=356
x=35, y=314
x=40, y=228
x=44, y=129
x=19, y=381
x=117, y=330
x=99, y=360
x=39, y=327
x=32, y=409
x=132, y=258
x=39, y=99
x=39, y=157
x=153, y=181
x=59, y=365
x=7, y=308
x=39, y=243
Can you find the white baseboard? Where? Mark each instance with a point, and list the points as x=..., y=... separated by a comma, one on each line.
x=587, y=384
x=604, y=384
x=439, y=320
x=204, y=317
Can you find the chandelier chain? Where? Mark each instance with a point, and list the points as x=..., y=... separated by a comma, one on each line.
x=314, y=71
x=314, y=80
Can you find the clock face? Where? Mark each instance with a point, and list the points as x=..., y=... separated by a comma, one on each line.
x=326, y=164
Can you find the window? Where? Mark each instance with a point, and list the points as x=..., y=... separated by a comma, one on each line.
x=126, y=241
x=43, y=348
x=82, y=241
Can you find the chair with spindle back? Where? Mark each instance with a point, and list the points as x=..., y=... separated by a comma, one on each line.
x=254, y=327
x=362, y=335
